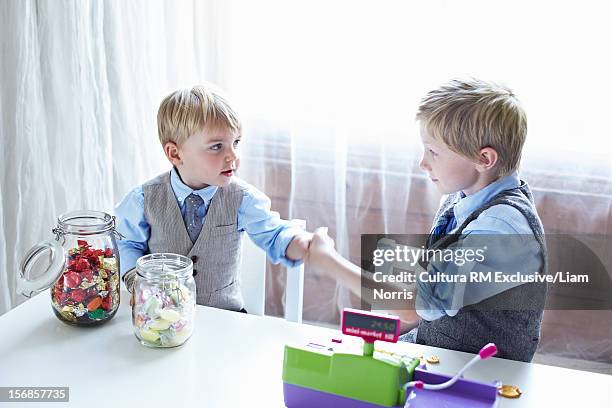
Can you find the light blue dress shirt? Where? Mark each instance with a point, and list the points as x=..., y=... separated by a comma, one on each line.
x=263, y=226
x=522, y=254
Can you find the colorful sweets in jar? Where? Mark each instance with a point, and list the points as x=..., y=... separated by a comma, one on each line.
x=80, y=267
x=87, y=292
x=164, y=300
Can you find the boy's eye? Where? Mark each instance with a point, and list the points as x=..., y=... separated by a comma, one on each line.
x=236, y=142
x=433, y=153
x=216, y=147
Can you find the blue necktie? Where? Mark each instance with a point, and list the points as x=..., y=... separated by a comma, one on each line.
x=192, y=221
x=446, y=223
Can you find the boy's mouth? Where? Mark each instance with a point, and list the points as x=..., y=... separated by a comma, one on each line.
x=228, y=173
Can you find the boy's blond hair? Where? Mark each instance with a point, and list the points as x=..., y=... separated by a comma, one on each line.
x=187, y=111
x=470, y=114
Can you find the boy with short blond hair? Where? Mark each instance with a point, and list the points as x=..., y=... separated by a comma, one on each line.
x=200, y=209
x=473, y=133
x=469, y=115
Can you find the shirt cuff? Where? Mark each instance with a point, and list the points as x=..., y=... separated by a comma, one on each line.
x=283, y=239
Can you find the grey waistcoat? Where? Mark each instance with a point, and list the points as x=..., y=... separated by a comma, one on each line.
x=216, y=252
x=496, y=319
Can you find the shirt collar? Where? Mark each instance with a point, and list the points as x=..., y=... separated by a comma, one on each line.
x=182, y=191
x=466, y=205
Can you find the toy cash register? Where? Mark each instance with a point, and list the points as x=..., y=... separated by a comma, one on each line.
x=333, y=375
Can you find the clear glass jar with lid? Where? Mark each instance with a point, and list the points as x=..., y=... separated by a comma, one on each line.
x=163, y=313
x=81, y=266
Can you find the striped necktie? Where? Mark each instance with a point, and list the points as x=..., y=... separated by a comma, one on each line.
x=445, y=223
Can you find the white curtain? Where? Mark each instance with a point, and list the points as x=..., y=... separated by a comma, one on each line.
x=339, y=83
x=333, y=87
x=328, y=93
x=79, y=90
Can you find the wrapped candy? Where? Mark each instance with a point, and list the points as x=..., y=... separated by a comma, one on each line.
x=164, y=300
x=159, y=320
x=80, y=267
x=87, y=292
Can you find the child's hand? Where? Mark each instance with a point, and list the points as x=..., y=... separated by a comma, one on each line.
x=298, y=248
x=323, y=258
x=321, y=248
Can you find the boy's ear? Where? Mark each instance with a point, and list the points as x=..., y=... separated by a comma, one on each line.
x=487, y=159
x=172, y=153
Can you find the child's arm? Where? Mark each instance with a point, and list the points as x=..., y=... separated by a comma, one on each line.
x=283, y=242
x=131, y=223
x=323, y=257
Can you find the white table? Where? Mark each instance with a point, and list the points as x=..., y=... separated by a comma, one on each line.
x=232, y=360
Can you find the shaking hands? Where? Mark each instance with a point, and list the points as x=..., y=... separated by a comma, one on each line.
x=313, y=248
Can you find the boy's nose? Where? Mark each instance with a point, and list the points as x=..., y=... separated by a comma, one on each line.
x=424, y=165
x=232, y=155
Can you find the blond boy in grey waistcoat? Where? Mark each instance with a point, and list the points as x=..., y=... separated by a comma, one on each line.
x=199, y=208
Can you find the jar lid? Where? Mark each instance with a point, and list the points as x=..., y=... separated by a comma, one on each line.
x=40, y=268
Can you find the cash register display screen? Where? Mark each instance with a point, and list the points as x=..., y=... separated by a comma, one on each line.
x=371, y=326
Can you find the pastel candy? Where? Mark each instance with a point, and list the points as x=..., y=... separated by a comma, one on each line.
x=149, y=335
x=170, y=315
x=178, y=326
x=167, y=337
x=140, y=320
x=162, y=315
x=159, y=324
x=152, y=306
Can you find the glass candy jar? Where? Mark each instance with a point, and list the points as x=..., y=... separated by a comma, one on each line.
x=81, y=266
x=164, y=300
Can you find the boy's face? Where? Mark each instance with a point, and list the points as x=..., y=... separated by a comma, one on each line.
x=208, y=158
x=449, y=171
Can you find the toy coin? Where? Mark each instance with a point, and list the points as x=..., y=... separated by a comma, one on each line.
x=433, y=360
x=509, y=391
